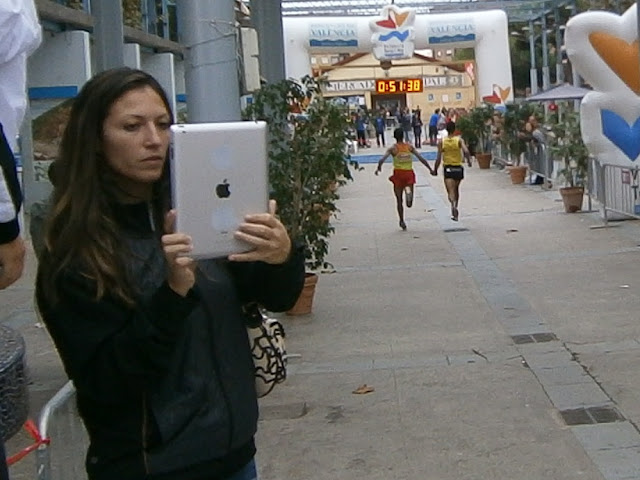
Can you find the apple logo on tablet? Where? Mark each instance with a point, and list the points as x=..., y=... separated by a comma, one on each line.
x=223, y=190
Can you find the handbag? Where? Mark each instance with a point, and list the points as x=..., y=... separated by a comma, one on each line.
x=266, y=339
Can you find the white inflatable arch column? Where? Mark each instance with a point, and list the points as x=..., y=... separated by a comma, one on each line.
x=487, y=32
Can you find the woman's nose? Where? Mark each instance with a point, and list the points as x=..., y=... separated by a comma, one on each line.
x=153, y=136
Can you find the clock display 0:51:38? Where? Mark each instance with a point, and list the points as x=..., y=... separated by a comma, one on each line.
x=407, y=85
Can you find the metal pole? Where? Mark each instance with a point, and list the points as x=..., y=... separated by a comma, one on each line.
x=559, y=68
x=545, y=55
x=267, y=18
x=208, y=32
x=108, y=33
x=533, y=72
x=577, y=82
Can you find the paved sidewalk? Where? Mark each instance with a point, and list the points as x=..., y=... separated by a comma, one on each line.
x=481, y=338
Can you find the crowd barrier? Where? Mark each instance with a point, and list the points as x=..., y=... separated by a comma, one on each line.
x=537, y=158
x=499, y=154
x=540, y=161
x=616, y=189
x=62, y=456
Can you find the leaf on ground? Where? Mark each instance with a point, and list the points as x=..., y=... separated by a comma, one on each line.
x=512, y=230
x=363, y=389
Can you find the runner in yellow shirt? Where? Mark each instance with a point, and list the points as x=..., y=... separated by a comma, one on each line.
x=403, y=178
x=450, y=152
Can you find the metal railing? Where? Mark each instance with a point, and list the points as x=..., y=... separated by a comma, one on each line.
x=156, y=17
x=539, y=160
x=616, y=188
x=499, y=154
x=63, y=457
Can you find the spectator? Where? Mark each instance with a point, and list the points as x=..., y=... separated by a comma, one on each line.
x=433, y=127
x=416, y=123
x=20, y=35
x=155, y=343
x=405, y=123
x=380, y=124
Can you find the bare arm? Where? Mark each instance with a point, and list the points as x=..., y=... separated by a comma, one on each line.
x=384, y=157
x=421, y=158
x=439, y=156
x=465, y=150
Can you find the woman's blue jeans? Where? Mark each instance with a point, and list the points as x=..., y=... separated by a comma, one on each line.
x=248, y=472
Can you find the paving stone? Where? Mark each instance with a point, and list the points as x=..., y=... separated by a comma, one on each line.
x=607, y=436
x=549, y=359
x=606, y=347
x=569, y=374
x=565, y=397
x=618, y=464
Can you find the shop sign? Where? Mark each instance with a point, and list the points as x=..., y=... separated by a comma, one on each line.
x=443, y=81
x=463, y=30
x=333, y=35
x=350, y=86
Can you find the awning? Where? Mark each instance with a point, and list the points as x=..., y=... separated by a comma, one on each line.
x=560, y=92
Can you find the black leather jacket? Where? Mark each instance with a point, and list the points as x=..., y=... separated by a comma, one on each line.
x=167, y=387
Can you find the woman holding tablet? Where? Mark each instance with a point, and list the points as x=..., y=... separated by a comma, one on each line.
x=155, y=343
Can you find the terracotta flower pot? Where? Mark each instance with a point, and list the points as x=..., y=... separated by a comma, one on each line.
x=304, y=304
x=518, y=172
x=572, y=198
x=484, y=160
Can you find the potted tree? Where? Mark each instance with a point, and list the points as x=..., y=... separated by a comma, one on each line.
x=308, y=161
x=569, y=147
x=513, y=122
x=475, y=129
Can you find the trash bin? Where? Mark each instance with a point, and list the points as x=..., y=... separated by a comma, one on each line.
x=14, y=400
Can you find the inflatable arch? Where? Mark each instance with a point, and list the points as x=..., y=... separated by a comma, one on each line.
x=395, y=35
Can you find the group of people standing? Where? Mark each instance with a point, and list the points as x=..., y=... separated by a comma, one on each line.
x=410, y=121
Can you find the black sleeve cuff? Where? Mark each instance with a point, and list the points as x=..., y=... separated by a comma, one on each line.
x=170, y=309
x=9, y=231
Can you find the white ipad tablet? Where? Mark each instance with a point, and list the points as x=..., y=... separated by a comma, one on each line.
x=218, y=175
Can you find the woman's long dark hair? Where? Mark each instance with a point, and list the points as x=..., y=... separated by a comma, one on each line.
x=81, y=231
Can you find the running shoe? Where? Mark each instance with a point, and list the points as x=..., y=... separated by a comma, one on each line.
x=403, y=225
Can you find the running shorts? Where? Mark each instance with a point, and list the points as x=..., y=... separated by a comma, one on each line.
x=455, y=172
x=403, y=178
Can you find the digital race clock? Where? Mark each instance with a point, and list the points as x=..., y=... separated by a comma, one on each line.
x=406, y=85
